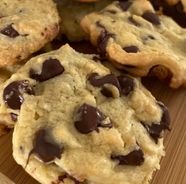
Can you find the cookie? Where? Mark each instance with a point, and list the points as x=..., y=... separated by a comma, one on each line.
x=137, y=40
x=79, y=123
x=70, y=24
x=24, y=29
x=173, y=8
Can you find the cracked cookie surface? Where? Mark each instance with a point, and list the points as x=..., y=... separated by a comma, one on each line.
x=24, y=29
x=79, y=123
x=137, y=40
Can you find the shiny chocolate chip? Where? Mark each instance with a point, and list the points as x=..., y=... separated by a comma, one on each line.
x=151, y=17
x=127, y=84
x=51, y=68
x=9, y=31
x=90, y=118
x=125, y=5
x=13, y=117
x=134, y=158
x=97, y=81
x=13, y=93
x=134, y=22
x=131, y=49
x=66, y=175
x=155, y=130
x=44, y=146
x=103, y=40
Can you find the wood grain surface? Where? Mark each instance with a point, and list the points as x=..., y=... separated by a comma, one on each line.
x=173, y=166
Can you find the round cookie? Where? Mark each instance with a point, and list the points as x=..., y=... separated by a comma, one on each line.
x=24, y=29
x=71, y=13
x=79, y=123
x=137, y=40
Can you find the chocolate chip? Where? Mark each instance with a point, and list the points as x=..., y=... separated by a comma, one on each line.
x=97, y=81
x=51, y=68
x=134, y=158
x=103, y=40
x=45, y=148
x=131, y=49
x=106, y=92
x=125, y=5
x=13, y=116
x=13, y=93
x=66, y=175
x=165, y=120
x=90, y=118
x=134, y=22
x=155, y=130
x=127, y=84
x=9, y=31
x=151, y=17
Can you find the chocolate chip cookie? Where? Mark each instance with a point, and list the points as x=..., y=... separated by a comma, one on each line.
x=25, y=27
x=71, y=13
x=79, y=123
x=137, y=40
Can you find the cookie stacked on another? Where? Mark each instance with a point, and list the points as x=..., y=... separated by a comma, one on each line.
x=135, y=39
x=79, y=123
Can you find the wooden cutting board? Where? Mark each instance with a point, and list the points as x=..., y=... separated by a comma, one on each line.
x=173, y=166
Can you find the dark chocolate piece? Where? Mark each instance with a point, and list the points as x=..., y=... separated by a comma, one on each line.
x=13, y=93
x=51, y=68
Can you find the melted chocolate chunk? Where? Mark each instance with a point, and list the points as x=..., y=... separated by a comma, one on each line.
x=134, y=22
x=66, y=175
x=13, y=117
x=131, y=49
x=96, y=81
x=127, y=84
x=90, y=118
x=103, y=40
x=45, y=148
x=151, y=17
x=51, y=68
x=125, y=5
x=9, y=31
x=134, y=158
x=155, y=130
x=13, y=93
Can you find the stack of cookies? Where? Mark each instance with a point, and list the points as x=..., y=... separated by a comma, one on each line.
x=86, y=118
